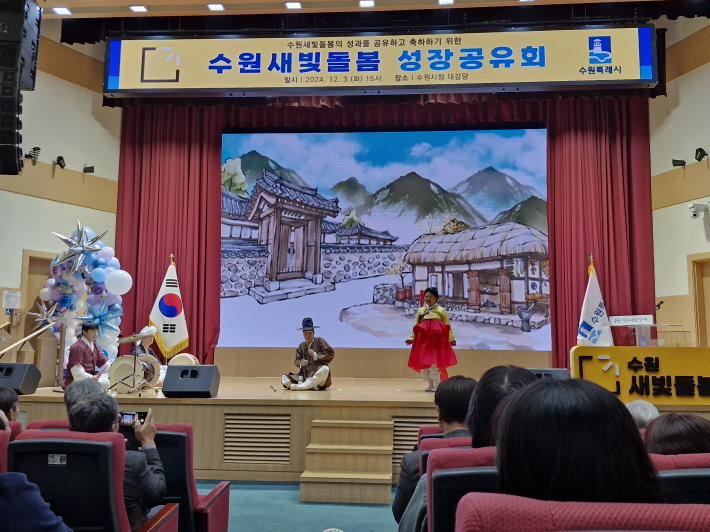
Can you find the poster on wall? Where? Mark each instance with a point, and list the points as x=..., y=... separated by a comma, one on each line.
x=349, y=228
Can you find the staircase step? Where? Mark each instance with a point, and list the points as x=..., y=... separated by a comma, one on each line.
x=346, y=477
x=334, y=431
x=348, y=448
x=347, y=487
x=365, y=458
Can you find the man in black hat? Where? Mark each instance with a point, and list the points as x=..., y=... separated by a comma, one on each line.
x=312, y=359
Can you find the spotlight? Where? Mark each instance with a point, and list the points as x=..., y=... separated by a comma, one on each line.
x=88, y=169
x=60, y=162
x=700, y=154
x=33, y=155
x=678, y=162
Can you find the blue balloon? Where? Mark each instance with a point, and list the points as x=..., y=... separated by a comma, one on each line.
x=74, y=298
x=65, y=301
x=100, y=243
x=117, y=321
x=72, y=307
x=113, y=263
x=99, y=274
x=99, y=263
x=90, y=233
x=89, y=258
x=119, y=300
x=74, y=234
x=52, y=329
x=115, y=308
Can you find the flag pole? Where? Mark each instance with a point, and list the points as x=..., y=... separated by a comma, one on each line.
x=172, y=262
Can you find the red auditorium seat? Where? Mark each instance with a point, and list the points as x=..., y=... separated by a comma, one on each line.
x=4, y=442
x=665, y=462
x=208, y=513
x=16, y=429
x=50, y=424
x=493, y=512
x=85, y=463
x=454, y=459
x=433, y=431
x=430, y=444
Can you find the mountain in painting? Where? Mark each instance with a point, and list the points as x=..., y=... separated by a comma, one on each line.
x=531, y=212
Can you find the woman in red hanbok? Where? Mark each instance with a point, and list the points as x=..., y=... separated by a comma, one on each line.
x=432, y=340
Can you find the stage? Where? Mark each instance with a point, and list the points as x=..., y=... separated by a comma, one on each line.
x=251, y=432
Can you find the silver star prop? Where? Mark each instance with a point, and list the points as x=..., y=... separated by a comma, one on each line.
x=101, y=317
x=45, y=316
x=78, y=248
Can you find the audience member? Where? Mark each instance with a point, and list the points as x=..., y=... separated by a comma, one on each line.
x=643, y=412
x=9, y=403
x=572, y=440
x=79, y=390
x=144, y=480
x=5, y=424
x=451, y=399
x=678, y=434
x=494, y=385
x=22, y=508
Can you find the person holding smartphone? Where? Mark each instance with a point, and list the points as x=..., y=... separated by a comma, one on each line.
x=144, y=477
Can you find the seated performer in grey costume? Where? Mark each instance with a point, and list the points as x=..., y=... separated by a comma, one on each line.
x=312, y=359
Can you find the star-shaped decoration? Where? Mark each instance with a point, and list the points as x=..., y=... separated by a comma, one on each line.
x=101, y=317
x=78, y=247
x=46, y=316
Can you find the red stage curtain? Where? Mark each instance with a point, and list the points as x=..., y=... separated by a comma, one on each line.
x=168, y=202
x=599, y=190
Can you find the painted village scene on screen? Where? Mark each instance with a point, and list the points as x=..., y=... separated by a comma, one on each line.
x=349, y=228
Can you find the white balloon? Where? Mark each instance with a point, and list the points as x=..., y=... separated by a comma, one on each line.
x=112, y=351
x=71, y=332
x=118, y=282
x=45, y=294
x=74, y=340
x=79, y=305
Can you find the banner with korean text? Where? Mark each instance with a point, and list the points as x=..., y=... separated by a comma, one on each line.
x=359, y=64
x=660, y=375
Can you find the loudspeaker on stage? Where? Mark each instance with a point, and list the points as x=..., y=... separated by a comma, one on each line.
x=191, y=381
x=23, y=378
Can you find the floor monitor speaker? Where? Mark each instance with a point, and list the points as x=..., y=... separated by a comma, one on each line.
x=23, y=378
x=191, y=381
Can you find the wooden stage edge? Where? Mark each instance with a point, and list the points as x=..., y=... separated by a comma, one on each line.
x=253, y=433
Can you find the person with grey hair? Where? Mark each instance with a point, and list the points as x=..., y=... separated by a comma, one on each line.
x=643, y=412
x=144, y=477
x=80, y=390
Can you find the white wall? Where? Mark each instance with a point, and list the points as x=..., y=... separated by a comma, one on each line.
x=65, y=119
x=676, y=30
x=675, y=236
x=28, y=222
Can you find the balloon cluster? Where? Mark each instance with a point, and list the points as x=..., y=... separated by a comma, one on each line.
x=88, y=270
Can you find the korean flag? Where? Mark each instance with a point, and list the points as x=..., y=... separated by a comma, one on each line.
x=168, y=316
x=594, y=328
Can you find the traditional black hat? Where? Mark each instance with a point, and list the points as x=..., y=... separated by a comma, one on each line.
x=307, y=325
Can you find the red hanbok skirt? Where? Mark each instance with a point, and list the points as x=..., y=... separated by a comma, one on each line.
x=431, y=346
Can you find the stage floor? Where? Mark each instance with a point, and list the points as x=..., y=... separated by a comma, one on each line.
x=251, y=432
x=258, y=390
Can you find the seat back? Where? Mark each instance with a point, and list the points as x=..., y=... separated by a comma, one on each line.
x=449, y=486
x=49, y=424
x=76, y=471
x=174, y=444
x=455, y=459
x=685, y=486
x=16, y=429
x=427, y=445
x=4, y=441
x=431, y=431
x=493, y=512
x=664, y=462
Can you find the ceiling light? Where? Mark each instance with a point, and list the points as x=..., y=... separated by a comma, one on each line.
x=61, y=10
x=527, y=0
x=293, y=5
x=367, y=3
x=215, y=7
x=445, y=2
x=139, y=9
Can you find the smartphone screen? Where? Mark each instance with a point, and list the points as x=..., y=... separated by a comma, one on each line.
x=128, y=418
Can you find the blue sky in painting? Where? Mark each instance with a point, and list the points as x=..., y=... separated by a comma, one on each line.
x=378, y=158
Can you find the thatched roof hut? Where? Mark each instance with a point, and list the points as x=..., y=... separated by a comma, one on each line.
x=481, y=244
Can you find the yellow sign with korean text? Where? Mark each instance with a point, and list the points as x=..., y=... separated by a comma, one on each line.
x=356, y=64
x=660, y=375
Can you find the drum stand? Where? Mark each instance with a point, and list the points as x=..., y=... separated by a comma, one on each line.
x=143, y=381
